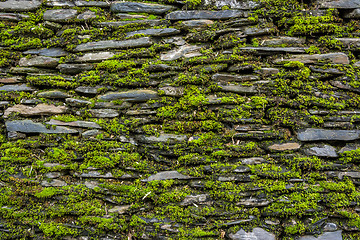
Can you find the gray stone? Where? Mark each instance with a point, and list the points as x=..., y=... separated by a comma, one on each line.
x=74, y=68
x=273, y=50
x=53, y=183
x=283, y=40
x=53, y=174
x=138, y=7
x=166, y=175
x=349, y=174
x=87, y=15
x=237, y=88
x=253, y=202
x=161, y=68
x=130, y=96
x=156, y=32
x=119, y=209
x=147, y=22
x=267, y=72
x=335, y=58
x=59, y=3
x=103, y=113
x=172, y=91
x=16, y=88
x=196, y=23
x=256, y=234
x=325, y=236
x=163, y=138
x=91, y=133
x=39, y=61
x=253, y=161
x=355, y=14
x=285, y=146
x=322, y=151
x=129, y=16
x=77, y=102
x=19, y=6
x=234, y=78
x=84, y=3
x=330, y=227
x=187, y=51
x=10, y=80
x=80, y=124
x=234, y=4
x=113, y=44
x=191, y=199
x=95, y=57
x=39, y=110
x=28, y=126
x=350, y=42
x=202, y=14
x=313, y=134
x=13, y=17
x=140, y=112
x=60, y=15
x=33, y=101
x=343, y=4
x=256, y=31
x=53, y=94
x=94, y=174
x=48, y=52
x=88, y=90
x=123, y=105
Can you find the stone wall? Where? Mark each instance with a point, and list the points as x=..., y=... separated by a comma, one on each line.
x=180, y=119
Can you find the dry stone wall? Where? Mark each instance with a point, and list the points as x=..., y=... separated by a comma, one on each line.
x=180, y=119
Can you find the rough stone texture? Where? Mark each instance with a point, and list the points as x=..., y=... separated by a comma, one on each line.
x=19, y=6
x=313, y=134
x=342, y=4
x=285, y=146
x=325, y=236
x=28, y=126
x=39, y=61
x=335, y=58
x=41, y=109
x=167, y=175
x=322, y=151
x=196, y=23
x=81, y=124
x=186, y=51
x=353, y=14
x=139, y=7
x=238, y=4
x=130, y=96
x=16, y=88
x=156, y=32
x=53, y=94
x=48, y=52
x=256, y=234
x=60, y=15
x=212, y=15
x=95, y=57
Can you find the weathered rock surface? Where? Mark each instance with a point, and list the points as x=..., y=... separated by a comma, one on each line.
x=285, y=146
x=103, y=113
x=14, y=17
x=342, y=4
x=163, y=138
x=237, y=4
x=322, y=151
x=81, y=124
x=130, y=96
x=353, y=14
x=196, y=23
x=234, y=78
x=256, y=234
x=39, y=61
x=48, y=52
x=138, y=7
x=60, y=15
x=113, y=44
x=28, y=126
x=38, y=110
x=19, y=6
x=273, y=50
x=74, y=68
x=283, y=40
x=167, y=175
x=53, y=94
x=335, y=58
x=156, y=32
x=313, y=134
x=187, y=51
x=201, y=14
x=325, y=236
x=16, y=88
x=237, y=88
x=95, y=57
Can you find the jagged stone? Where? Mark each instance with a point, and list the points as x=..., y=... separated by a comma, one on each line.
x=285, y=146
x=335, y=58
x=38, y=110
x=313, y=134
x=273, y=50
x=234, y=78
x=16, y=88
x=256, y=234
x=53, y=94
x=322, y=151
x=77, y=102
x=233, y=4
x=13, y=17
x=166, y=175
x=343, y=4
x=155, y=32
x=202, y=14
x=28, y=126
x=60, y=15
x=103, y=113
x=74, y=68
x=113, y=44
x=84, y=3
x=325, y=236
x=130, y=96
x=19, y=6
x=48, y=52
x=59, y=3
x=196, y=23
x=198, y=199
x=80, y=124
x=187, y=51
x=39, y=61
x=283, y=40
x=95, y=57
x=138, y=7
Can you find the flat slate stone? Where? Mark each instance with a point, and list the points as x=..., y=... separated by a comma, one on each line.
x=172, y=91
x=273, y=50
x=81, y=124
x=202, y=14
x=38, y=110
x=163, y=138
x=48, y=52
x=283, y=40
x=28, y=126
x=344, y=4
x=95, y=57
x=335, y=58
x=285, y=146
x=88, y=90
x=138, y=7
x=233, y=4
x=74, y=68
x=187, y=51
x=13, y=17
x=87, y=15
x=77, y=102
x=147, y=22
x=234, y=78
x=59, y=3
x=113, y=44
x=350, y=42
x=60, y=15
x=53, y=94
x=83, y=3
x=325, y=236
x=103, y=113
x=196, y=23
x=256, y=31
x=353, y=14
x=238, y=88
x=156, y=32
x=39, y=61
x=322, y=151
x=313, y=134
x=130, y=96
x=256, y=234
x=16, y=88
x=19, y=6
x=253, y=202
x=191, y=199
x=166, y=175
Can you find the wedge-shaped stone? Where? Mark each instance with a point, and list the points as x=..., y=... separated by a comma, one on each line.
x=156, y=32
x=166, y=175
x=335, y=58
x=19, y=6
x=60, y=15
x=314, y=134
x=113, y=44
x=38, y=110
x=202, y=14
x=81, y=124
x=28, y=126
x=130, y=96
x=39, y=61
x=345, y=4
x=139, y=7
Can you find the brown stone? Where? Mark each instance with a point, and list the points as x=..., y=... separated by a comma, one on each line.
x=41, y=109
x=285, y=146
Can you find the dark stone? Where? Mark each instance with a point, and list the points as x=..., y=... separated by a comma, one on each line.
x=138, y=7
x=161, y=68
x=256, y=234
x=273, y=50
x=19, y=6
x=156, y=32
x=325, y=236
x=332, y=71
x=28, y=126
x=60, y=15
x=49, y=52
x=53, y=94
x=167, y=175
x=343, y=4
x=150, y=23
x=84, y=3
x=80, y=124
x=202, y=14
x=16, y=88
x=74, y=68
x=350, y=42
x=322, y=151
x=113, y=44
x=313, y=134
x=13, y=17
x=130, y=96
x=354, y=14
